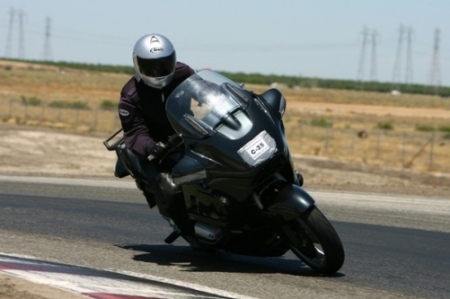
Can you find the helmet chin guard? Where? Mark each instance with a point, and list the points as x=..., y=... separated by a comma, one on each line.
x=159, y=82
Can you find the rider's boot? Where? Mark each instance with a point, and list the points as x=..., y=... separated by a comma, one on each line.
x=171, y=204
x=149, y=192
x=172, y=200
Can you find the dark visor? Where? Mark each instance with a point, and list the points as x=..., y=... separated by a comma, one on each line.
x=157, y=67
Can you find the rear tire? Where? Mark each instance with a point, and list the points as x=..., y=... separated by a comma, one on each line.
x=313, y=239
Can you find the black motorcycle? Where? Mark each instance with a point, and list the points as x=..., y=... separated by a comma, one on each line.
x=236, y=186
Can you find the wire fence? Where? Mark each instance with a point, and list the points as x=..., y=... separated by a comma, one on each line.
x=95, y=119
x=424, y=151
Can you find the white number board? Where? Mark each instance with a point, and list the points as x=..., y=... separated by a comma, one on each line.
x=259, y=149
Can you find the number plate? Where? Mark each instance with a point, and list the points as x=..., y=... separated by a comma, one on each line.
x=259, y=149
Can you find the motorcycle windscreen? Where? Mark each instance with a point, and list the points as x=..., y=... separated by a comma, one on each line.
x=199, y=104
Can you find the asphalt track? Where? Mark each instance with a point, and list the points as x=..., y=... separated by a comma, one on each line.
x=395, y=246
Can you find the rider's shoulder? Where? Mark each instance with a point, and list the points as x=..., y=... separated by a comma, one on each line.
x=129, y=90
x=183, y=70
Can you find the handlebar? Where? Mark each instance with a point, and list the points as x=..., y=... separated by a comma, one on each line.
x=115, y=145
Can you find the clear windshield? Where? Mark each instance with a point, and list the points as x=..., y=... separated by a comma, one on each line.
x=202, y=99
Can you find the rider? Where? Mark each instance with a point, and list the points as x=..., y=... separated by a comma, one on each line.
x=142, y=107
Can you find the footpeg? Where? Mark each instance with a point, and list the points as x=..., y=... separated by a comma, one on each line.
x=172, y=237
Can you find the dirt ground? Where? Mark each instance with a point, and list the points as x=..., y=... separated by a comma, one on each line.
x=347, y=109
x=48, y=152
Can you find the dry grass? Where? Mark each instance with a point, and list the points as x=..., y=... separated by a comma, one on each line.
x=402, y=147
x=359, y=97
x=52, y=84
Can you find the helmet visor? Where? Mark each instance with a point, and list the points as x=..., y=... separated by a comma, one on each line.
x=159, y=67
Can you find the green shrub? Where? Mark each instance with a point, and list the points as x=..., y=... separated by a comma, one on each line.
x=108, y=105
x=69, y=105
x=425, y=128
x=33, y=101
x=320, y=122
x=447, y=136
x=385, y=126
x=444, y=129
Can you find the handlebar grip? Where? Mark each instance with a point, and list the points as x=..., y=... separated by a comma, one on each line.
x=175, y=139
x=172, y=142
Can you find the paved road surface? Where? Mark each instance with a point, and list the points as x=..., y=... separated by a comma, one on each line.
x=90, y=224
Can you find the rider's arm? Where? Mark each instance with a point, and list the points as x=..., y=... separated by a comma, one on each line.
x=135, y=131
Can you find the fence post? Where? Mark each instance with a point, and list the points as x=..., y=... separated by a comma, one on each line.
x=431, y=149
x=300, y=137
x=327, y=134
x=10, y=108
x=42, y=112
x=26, y=112
x=94, y=126
x=403, y=149
x=378, y=143
x=352, y=146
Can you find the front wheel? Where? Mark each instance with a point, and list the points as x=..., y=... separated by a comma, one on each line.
x=313, y=239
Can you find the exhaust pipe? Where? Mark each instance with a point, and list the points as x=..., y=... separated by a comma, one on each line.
x=208, y=232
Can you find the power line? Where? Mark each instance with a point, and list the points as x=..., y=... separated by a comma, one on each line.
x=12, y=16
x=362, y=58
x=369, y=39
x=373, y=60
x=409, y=63
x=10, y=29
x=435, y=72
x=47, y=47
x=21, y=36
x=398, y=59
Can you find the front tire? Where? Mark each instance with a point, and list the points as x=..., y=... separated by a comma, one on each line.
x=313, y=239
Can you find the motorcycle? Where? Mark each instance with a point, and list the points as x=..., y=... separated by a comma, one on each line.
x=236, y=185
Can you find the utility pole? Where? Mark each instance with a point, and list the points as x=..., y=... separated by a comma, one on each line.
x=21, y=36
x=435, y=73
x=10, y=29
x=398, y=60
x=373, y=60
x=362, y=58
x=409, y=64
x=47, y=47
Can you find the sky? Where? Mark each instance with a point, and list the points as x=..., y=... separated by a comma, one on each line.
x=308, y=38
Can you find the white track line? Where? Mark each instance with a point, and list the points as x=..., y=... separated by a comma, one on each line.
x=101, y=284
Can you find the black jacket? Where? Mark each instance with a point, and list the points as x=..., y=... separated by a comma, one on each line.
x=142, y=111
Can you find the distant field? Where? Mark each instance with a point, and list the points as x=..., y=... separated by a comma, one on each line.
x=29, y=94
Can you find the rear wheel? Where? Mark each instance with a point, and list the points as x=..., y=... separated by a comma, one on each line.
x=313, y=239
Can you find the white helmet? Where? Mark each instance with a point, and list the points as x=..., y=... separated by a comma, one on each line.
x=154, y=60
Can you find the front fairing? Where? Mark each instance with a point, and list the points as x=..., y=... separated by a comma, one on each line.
x=228, y=129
